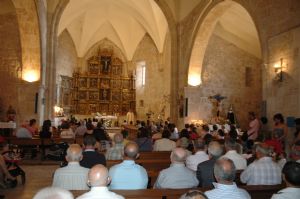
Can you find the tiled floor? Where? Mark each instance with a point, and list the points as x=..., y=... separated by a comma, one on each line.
x=37, y=177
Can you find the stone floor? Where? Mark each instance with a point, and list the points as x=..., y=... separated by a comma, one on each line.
x=37, y=177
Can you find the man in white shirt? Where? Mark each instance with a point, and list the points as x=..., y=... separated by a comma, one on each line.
x=224, y=171
x=98, y=179
x=192, y=161
x=73, y=176
x=164, y=144
x=53, y=192
x=254, y=126
x=291, y=176
x=239, y=161
x=263, y=171
x=81, y=130
x=23, y=133
x=177, y=176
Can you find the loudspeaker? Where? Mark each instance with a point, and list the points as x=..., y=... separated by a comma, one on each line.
x=186, y=107
x=36, y=102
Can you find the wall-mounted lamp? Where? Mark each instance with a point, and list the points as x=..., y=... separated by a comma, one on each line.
x=194, y=79
x=30, y=75
x=279, y=66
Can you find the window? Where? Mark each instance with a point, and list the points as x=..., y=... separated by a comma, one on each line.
x=143, y=74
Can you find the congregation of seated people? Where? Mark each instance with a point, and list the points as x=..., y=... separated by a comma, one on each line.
x=215, y=158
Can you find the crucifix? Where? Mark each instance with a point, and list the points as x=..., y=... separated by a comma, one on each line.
x=105, y=63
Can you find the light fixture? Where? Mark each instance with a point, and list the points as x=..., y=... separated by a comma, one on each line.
x=278, y=67
x=59, y=112
x=194, y=80
x=30, y=76
x=143, y=75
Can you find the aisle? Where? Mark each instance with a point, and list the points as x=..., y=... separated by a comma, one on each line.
x=37, y=177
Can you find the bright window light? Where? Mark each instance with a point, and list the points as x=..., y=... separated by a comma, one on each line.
x=143, y=75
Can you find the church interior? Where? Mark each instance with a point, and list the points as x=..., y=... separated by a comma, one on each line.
x=157, y=62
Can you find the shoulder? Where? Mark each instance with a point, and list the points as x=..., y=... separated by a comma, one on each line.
x=190, y=157
x=244, y=192
x=205, y=164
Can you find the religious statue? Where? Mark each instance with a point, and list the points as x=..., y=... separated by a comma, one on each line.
x=11, y=114
x=230, y=115
x=104, y=94
x=105, y=61
x=216, y=101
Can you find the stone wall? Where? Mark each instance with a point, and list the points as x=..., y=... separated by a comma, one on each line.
x=283, y=96
x=10, y=57
x=154, y=95
x=66, y=58
x=272, y=19
x=224, y=73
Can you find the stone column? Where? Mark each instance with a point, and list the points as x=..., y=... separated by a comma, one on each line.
x=129, y=66
x=42, y=12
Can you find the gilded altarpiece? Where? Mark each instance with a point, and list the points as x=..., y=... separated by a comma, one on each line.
x=102, y=88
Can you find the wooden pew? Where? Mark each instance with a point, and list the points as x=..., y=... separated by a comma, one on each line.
x=23, y=141
x=262, y=191
x=256, y=192
x=155, y=155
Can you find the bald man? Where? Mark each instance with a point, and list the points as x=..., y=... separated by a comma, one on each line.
x=73, y=176
x=128, y=174
x=177, y=176
x=98, y=180
x=224, y=171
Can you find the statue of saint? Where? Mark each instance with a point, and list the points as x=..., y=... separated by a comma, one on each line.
x=11, y=114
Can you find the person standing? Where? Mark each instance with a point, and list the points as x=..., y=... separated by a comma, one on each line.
x=280, y=130
x=130, y=117
x=254, y=126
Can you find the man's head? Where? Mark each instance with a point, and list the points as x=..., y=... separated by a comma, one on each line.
x=89, y=141
x=199, y=145
x=194, y=194
x=118, y=138
x=262, y=150
x=178, y=155
x=74, y=153
x=224, y=171
x=205, y=128
x=131, y=151
x=53, y=193
x=98, y=176
x=166, y=134
x=230, y=145
x=291, y=174
x=215, y=149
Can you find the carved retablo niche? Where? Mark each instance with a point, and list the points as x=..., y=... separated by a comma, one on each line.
x=103, y=88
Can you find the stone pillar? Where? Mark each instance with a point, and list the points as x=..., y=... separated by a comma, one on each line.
x=128, y=68
x=42, y=15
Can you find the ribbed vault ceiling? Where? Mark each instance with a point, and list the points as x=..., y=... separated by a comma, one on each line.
x=124, y=22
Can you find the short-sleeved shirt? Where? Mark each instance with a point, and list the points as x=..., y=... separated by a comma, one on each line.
x=115, y=153
x=128, y=175
x=262, y=172
x=71, y=177
x=222, y=191
x=177, y=176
